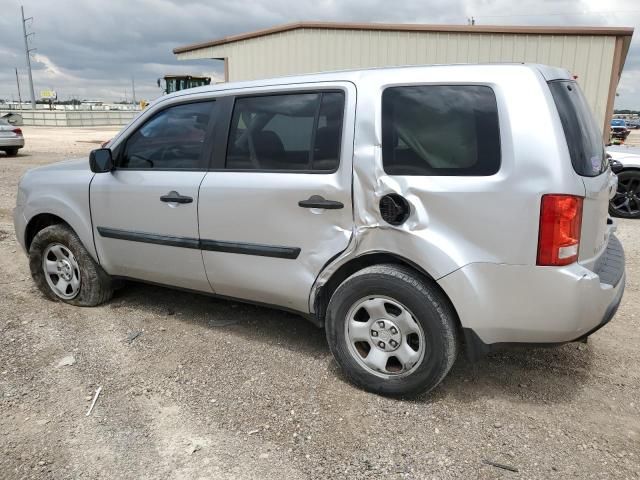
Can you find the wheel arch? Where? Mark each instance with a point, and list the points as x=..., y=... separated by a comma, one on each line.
x=40, y=222
x=43, y=219
x=326, y=290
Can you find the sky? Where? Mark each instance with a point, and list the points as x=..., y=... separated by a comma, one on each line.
x=91, y=49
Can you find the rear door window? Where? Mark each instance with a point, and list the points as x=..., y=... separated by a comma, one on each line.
x=440, y=130
x=583, y=136
x=290, y=132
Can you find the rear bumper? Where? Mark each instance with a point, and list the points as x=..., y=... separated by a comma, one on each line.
x=475, y=348
x=513, y=304
x=11, y=142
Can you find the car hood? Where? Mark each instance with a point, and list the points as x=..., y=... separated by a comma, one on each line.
x=628, y=156
x=76, y=165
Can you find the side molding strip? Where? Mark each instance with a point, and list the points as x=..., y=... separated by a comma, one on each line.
x=250, y=249
x=209, y=245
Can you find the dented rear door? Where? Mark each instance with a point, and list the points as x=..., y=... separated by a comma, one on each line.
x=277, y=207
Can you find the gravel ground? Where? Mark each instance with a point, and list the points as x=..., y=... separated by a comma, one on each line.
x=215, y=389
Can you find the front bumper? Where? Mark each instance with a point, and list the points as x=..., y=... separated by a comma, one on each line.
x=20, y=226
x=505, y=304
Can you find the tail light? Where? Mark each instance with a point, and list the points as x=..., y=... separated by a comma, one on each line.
x=17, y=131
x=559, y=236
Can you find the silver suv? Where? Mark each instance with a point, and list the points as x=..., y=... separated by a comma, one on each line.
x=409, y=211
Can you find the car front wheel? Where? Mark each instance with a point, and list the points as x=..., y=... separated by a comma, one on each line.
x=392, y=332
x=63, y=269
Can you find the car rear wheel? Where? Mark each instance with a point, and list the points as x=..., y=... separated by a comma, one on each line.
x=63, y=269
x=391, y=331
x=11, y=152
x=626, y=201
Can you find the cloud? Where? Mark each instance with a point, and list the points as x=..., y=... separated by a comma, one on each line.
x=92, y=48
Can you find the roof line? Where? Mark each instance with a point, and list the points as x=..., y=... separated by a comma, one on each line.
x=413, y=27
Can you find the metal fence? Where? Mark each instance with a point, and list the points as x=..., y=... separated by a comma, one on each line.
x=74, y=118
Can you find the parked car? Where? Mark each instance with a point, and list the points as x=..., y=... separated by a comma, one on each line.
x=619, y=129
x=626, y=201
x=424, y=218
x=11, y=138
x=632, y=124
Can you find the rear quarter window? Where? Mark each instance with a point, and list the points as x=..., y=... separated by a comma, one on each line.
x=581, y=132
x=440, y=130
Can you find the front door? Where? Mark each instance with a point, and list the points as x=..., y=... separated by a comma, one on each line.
x=145, y=212
x=277, y=206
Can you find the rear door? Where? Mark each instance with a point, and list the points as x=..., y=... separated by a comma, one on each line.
x=586, y=149
x=277, y=206
x=145, y=212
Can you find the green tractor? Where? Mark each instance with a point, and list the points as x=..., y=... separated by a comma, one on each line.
x=174, y=83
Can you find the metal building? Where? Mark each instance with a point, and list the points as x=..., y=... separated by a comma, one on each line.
x=596, y=55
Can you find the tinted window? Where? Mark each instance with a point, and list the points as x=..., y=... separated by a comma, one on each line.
x=297, y=132
x=440, y=130
x=171, y=139
x=580, y=129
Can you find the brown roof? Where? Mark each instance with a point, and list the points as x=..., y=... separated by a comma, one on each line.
x=409, y=27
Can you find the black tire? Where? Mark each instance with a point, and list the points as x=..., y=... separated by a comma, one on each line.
x=11, y=152
x=430, y=309
x=95, y=284
x=628, y=182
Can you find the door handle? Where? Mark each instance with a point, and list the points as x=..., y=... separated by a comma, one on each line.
x=175, y=197
x=317, y=201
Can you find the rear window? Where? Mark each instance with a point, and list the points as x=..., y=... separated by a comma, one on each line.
x=583, y=136
x=440, y=130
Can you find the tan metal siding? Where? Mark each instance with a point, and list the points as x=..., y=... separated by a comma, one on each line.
x=309, y=50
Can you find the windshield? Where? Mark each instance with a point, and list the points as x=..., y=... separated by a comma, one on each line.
x=617, y=123
x=583, y=136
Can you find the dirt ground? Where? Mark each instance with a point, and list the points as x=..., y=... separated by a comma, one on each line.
x=220, y=390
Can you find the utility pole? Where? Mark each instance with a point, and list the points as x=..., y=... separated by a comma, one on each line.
x=18, y=83
x=133, y=89
x=27, y=52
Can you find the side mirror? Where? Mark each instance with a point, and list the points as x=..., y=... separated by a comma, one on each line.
x=100, y=160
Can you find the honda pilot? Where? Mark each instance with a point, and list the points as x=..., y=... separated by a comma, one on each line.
x=411, y=212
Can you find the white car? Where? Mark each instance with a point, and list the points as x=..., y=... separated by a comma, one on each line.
x=11, y=138
x=626, y=202
x=424, y=218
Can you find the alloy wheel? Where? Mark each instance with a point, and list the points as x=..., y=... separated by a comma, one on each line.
x=627, y=198
x=384, y=337
x=61, y=271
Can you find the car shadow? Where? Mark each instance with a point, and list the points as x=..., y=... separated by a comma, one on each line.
x=528, y=375
x=17, y=155
x=542, y=375
x=256, y=323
